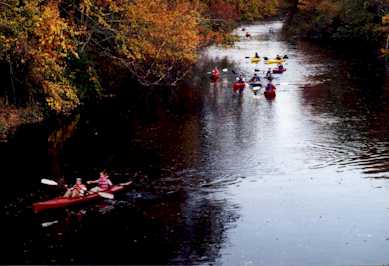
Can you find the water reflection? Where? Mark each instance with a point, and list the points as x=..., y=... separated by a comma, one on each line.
x=218, y=178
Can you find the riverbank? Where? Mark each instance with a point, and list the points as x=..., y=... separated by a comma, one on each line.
x=358, y=24
x=11, y=118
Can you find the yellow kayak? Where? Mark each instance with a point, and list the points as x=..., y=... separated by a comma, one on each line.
x=275, y=61
x=255, y=60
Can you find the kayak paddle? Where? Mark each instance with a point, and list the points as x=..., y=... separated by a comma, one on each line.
x=47, y=224
x=106, y=195
x=125, y=184
x=49, y=182
x=223, y=70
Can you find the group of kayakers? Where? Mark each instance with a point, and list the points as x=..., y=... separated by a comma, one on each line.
x=255, y=81
x=80, y=190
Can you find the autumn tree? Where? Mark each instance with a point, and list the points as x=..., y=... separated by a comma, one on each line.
x=154, y=40
x=36, y=44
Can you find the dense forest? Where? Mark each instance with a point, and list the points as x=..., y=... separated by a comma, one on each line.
x=360, y=22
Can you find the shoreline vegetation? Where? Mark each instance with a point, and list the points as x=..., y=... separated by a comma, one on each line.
x=344, y=23
x=56, y=55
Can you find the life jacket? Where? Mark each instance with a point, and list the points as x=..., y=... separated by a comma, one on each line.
x=254, y=79
x=103, y=183
x=215, y=72
x=80, y=188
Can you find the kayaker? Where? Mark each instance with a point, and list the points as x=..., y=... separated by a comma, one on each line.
x=280, y=67
x=78, y=190
x=215, y=72
x=255, y=78
x=270, y=87
x=286, y=56
x=255, y=85
x=269, y=75
x=278, y=57
x=240, y=78
x=103, y=182
x=256, y=55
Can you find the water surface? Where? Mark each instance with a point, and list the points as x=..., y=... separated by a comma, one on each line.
x=228, y=180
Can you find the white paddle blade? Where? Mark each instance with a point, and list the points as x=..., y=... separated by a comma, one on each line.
x=125, y=184
x=106, y=195
x=47, y=224
x=225, y=70
x=49, y=182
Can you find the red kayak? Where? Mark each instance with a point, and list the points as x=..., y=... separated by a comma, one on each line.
x=279, y=71
x=238, y=86
x=215, y=75
x=215, y=78
x=270, y=94
x=62, y=202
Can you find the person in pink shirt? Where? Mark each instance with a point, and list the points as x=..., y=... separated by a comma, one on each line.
x=103, y=183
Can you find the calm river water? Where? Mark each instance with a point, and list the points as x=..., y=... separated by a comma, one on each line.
x=223, y=180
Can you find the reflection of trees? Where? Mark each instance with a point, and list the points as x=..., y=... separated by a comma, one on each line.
x=183, y=227
x=165, y=231
x=56, y=141
x=160, y=151
x=352, y=113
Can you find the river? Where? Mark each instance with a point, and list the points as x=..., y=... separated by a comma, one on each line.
x=222, y=179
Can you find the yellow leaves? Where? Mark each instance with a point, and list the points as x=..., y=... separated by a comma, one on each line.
x=42, y=39
x=385, y=19
x=163, y=32
x=60, y=97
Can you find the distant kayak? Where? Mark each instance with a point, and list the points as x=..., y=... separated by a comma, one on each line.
x=62, y=202
x=256, y=84
x=215, y=77
x=255, y=60
x=275, y=61
x=278, y=71
x=238, y=86
x=270, y=94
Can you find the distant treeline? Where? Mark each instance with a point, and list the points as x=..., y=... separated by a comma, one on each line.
x=57, y=53
x=357, y=22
